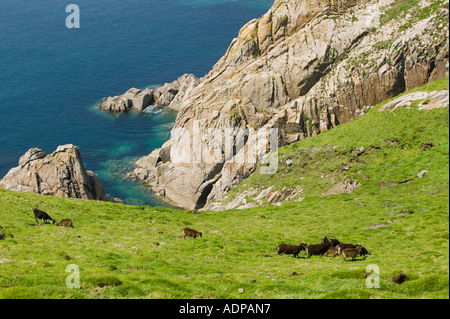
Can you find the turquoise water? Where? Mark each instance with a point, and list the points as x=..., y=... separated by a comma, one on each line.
x=52, y=77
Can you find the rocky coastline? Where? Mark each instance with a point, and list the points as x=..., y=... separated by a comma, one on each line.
x=302, y=68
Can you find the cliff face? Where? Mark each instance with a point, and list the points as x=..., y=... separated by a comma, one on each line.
x=61, y=174
x=302, y=68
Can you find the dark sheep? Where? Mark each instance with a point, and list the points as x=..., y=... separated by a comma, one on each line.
x=318, y=249
x=351, y=252
x=334, y=241
x=191, y=233
x=40, y=214
x=2, y=236
x=364, y=252
x=291, y=249
x=66, y=223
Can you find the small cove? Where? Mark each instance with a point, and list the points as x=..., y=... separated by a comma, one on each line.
x=52, y=77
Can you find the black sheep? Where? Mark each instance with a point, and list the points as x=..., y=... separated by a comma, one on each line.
x=40, y=214
x=291, y=249
x=364, y=252
x=318, y=249
x=334, y=241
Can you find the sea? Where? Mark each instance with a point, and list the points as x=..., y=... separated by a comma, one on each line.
x=54, y=74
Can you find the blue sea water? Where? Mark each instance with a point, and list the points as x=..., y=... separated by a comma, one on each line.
x=52, y=77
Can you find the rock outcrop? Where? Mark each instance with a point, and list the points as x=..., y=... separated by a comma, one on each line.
x=61, y=174
x=426, y=100
x=170, y=95
x=133, y=99
x=302, y=68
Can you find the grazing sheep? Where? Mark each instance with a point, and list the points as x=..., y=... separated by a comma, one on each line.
x=318, y=249
x=291, y=249
x=334, y=241
x=191, y=233
x=343, y=246
x=331, y=251
x=2, y=236
x=351, y=252
x=66, y=223
x=40, y=214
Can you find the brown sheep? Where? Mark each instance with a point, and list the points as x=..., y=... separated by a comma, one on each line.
x=343, y=246
x=291, y=249
x=351, y=252
x=40, y=214
x=66, y=222
x=331, y=251
x=318, y=249
x=191, y=233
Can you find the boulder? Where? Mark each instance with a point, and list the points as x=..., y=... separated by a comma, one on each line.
x=422, y=173
x=289, y=162
x=61, y=174
x=133, y=99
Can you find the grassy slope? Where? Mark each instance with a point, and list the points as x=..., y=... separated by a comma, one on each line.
x=113, y=244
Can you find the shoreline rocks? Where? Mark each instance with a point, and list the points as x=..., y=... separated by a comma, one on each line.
x=60, y=174
x=170, y=95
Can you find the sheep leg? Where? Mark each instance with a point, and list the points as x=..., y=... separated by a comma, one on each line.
x=37, y=220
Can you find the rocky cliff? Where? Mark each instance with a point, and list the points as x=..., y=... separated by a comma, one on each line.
x=303, y=67
x=323, y=170
x=61, y=174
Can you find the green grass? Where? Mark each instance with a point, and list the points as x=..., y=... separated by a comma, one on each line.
x=399, y=9
x=136, y=251
x=319, y=162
